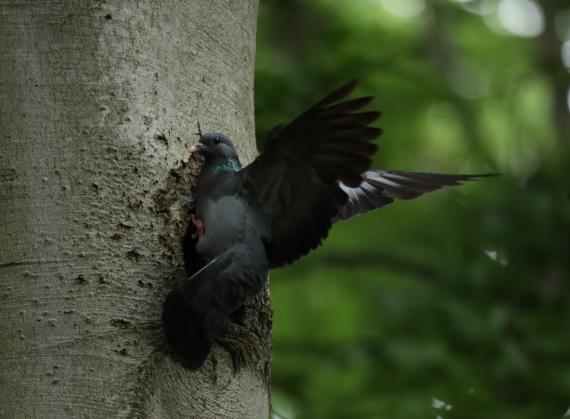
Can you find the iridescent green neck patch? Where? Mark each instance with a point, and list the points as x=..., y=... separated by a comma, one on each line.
x=228, y=165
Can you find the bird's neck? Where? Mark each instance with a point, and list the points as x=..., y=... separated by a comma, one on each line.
x=226, y=164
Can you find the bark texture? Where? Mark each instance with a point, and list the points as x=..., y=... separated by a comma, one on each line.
x=98, y=108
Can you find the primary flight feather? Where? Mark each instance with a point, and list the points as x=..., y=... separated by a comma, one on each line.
x=313, y=172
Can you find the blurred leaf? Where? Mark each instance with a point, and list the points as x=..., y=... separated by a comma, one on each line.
x=463, y=295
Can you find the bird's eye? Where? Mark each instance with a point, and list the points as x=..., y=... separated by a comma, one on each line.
x=217, y=140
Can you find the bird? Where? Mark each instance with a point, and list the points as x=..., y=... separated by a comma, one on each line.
x=313, y=172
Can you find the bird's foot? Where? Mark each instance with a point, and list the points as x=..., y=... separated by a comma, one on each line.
x=199, y=228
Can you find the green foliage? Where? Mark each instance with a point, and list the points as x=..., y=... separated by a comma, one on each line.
x=459, y=298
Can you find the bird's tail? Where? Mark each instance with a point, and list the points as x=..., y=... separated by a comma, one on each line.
x=196, y=313
x=191, y=321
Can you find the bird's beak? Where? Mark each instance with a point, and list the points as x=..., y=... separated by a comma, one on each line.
x=196, y=148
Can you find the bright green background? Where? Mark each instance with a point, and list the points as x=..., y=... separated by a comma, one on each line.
x=407, y=304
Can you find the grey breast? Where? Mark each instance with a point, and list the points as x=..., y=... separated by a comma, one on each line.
x=224, y=222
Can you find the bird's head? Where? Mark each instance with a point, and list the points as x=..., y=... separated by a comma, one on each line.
x=215, y=146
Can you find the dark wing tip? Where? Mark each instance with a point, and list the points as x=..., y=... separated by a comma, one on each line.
x=484, y=175
x=349, y=86
x=441, y=176
x=337, y=95
x=408, y=185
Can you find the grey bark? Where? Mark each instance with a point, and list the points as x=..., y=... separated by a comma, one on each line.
x=98, y=109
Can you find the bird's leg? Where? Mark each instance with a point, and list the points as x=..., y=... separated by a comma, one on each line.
x=199, y=226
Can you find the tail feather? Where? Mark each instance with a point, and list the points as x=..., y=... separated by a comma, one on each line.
x=197, y=313
x=188, y=335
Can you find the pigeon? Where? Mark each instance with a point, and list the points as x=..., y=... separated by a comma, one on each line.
x=313, y=172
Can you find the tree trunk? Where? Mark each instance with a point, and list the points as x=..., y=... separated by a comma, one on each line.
x=98, y=108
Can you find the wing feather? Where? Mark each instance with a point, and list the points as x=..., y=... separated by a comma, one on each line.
x=295, y=182
x=381, y=187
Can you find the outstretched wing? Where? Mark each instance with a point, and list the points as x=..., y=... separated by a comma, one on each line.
x=381, y=187
x=295, y=181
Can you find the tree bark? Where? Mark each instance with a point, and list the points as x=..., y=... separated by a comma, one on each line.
x=98, y=108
